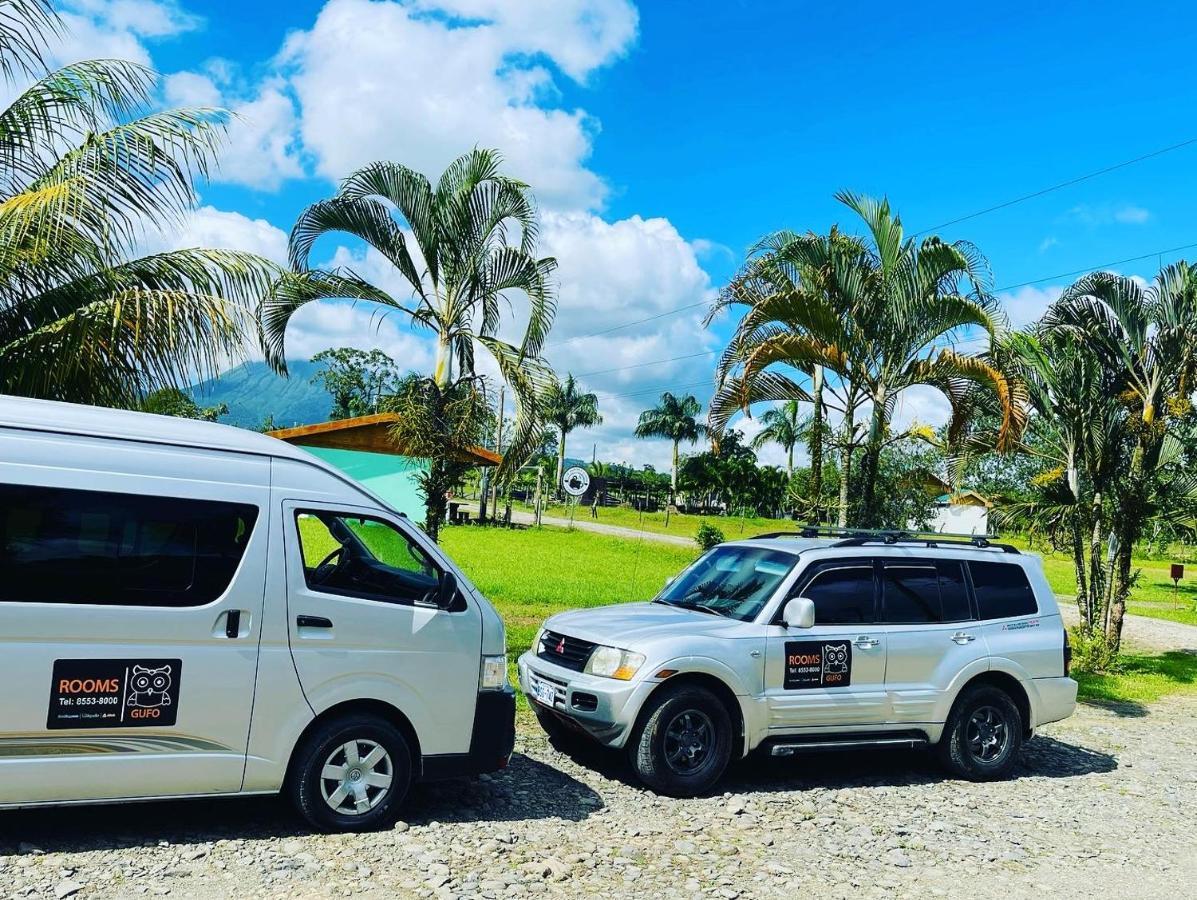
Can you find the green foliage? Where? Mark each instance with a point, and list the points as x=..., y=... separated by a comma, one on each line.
x=440, y=425
x=84, y=173
x=708, y=536
x=673, y=418
x=173, y=402
x=1091, y=652
x=461, y=273
x=357, y=380
x=1141, y=678
x=731, y=477
x=567, y=408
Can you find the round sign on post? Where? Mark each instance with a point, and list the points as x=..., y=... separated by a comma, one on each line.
x=575, y=481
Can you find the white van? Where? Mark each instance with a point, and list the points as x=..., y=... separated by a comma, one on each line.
x=189, y=609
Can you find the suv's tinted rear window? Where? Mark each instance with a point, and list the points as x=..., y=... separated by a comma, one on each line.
x=1002, y=590
x=918, y=592
x=95, y=547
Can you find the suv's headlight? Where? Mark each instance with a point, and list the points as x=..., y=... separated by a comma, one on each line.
x=611, y=662
x=493, y=675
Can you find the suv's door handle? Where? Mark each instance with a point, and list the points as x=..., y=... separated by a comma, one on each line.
x=962, y=638
x=313, y=622
x=864, y=642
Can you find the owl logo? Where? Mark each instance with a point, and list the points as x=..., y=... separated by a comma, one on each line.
x=149, y=687
x=835, y=659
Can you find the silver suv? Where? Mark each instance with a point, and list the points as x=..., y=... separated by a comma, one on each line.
x=815, y=640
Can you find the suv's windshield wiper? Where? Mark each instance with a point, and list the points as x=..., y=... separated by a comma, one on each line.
x=678, y=604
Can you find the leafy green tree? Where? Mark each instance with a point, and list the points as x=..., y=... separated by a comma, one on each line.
x=449, y=243
x=881, y=319
x=676, y=419
x=173, y=402
x=83, y=175
x=786, y=426
x=567, y=407
x=1146, y=337
x=358, y=380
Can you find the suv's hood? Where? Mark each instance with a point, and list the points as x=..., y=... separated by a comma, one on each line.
x=628, y=625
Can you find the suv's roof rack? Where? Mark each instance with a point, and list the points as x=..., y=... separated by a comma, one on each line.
x=857, y=537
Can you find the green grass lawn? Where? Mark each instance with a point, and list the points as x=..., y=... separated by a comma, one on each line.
x=680, y=524
x=1142, y=679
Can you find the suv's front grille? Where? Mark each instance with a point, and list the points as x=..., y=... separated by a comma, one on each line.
x=569, y=652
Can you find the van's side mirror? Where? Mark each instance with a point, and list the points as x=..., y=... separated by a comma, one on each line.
x=799, y=613
x=447, y=590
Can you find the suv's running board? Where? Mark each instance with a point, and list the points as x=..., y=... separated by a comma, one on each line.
x=817, y=745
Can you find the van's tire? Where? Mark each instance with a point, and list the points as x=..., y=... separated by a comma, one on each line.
x=983, y=735
x=370, y=789
x=685, y=743
x=560, y=735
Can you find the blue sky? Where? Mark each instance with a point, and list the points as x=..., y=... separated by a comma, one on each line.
x=664, y=138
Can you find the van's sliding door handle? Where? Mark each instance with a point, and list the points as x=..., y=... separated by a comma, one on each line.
x=232, y=624
x=313, y=622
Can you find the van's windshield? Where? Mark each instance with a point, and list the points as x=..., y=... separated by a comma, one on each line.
x=730, y=581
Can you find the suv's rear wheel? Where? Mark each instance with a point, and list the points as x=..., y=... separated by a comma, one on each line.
x=351, y=774
x=983, y=735
x=685, y=743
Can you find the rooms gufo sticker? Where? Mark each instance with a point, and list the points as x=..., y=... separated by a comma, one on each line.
x=815, y=664
x=114, y=693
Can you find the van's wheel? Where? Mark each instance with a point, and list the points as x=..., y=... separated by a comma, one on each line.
x=559, y=734
x=351, y=774
x=983, y=735
x=685, y=743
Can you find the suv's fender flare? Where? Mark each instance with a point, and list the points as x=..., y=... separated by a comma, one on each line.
x=753, y=712
x=990, y=666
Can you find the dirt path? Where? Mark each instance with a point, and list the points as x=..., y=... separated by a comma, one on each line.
x=585, y=523
x=1144, y=632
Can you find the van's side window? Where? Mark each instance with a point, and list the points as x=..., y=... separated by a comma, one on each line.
x=916, y=592
x=358, y=556
x=1002, y=590
x=59, y=545
x=842, y=595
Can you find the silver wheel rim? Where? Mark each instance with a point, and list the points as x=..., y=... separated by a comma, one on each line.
x=689, y=741
x=988, y=734
x=356, y=777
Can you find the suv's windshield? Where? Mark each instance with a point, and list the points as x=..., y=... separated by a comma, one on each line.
x=730, y=581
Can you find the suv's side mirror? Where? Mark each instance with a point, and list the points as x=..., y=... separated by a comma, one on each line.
x=447, y=590
x=799, y=613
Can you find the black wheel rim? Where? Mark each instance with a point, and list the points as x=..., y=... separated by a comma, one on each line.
x=988, y=734
x=689, y=741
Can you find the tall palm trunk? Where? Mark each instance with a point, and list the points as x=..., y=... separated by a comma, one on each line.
x=846, y=463
x=560, y=460
x=869, y=466
x=816, y=443
x=673, y=473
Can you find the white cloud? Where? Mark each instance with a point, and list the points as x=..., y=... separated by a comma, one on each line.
x=1026, y=304
x=1095, y=215
x=1132, y=215
x=222, y=229
x=117, y=29
x=1047, y=243
x=426, y=82
x=261, y=147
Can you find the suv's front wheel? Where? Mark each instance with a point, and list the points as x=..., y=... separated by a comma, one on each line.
x=983, y=735
x=685, y=743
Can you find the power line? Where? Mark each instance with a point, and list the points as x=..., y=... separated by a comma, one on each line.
x=655, y=362
x=1059, y=186
x=964, y=218
x=1097, y=268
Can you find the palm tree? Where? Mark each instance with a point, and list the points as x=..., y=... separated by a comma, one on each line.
x=1147, y=337
x=885, y=322
x=566, y=407
x=82, y=179
x=675, y=418
x=785, y=426
x=460, y=271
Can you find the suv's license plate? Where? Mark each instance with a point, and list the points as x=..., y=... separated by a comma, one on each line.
x=544, y=692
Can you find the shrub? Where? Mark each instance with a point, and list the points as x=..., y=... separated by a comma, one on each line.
x=1091, y=651
x=708, y=536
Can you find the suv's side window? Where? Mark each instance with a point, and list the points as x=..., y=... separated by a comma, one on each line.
x=842, y=593
x=1002, y=590
x=358, y=556
x=923, y=592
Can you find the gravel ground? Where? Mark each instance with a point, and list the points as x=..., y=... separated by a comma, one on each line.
x=1103, y=801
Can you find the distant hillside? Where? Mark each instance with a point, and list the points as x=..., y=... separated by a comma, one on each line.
x=252, y=392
